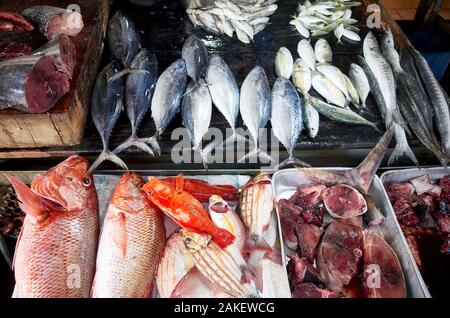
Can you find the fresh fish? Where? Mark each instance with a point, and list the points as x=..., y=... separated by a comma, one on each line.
x=167, y=98
x=195, y=285
x=123, y=38
x=196, y=110
x=344, y=115
x=385, y=79
x=306, y=53
x=327, y=89
x=360, y=82
x=106, y=105
x=255, y=105
x=174, y=265
x=139, y=88
x=388, y=50
x=59, y=234
x=336, y=77
x=352, y=92
x=310, y=118
x=31, y=84
x=53, y=21
x=184, y=209
x=339, y=32
x=301, y=77
x=300, y=27
x=131, y=243
x=416, y=88
x=217, y=265
x=437, y=98
x=322, y=51
x=195, y=55
x=352, y=35
x=286, y=116
x=284, y=63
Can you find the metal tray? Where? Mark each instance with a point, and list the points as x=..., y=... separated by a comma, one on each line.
x=106, y=182
x=288, y=180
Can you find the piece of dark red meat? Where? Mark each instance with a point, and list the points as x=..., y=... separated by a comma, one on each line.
x=343, y=201
x=289, y=219
x=31, y=84
x=306, y=198
x=308, y=239
x=313, y=193
x=383, y=275
x=300, y=271
x=444, y=183
x=15, y=21
x=404, y=212
x=309, y=290
x=400, y=190
x=14, y=49
x=339, y=253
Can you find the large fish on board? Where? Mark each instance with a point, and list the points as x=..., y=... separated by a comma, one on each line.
x=167, y=97
x=106, y=105
x=123, y=38
x=56, y=249
x=185, y=209
x=195, y=54
x=384, y=76
x=139, y=88
x=131, y=243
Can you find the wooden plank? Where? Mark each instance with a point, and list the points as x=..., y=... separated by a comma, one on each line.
x=64, y=124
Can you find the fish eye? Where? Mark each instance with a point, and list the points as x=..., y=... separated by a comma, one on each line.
x=140, y=186
x=69, y=179
x=87, y=181
x=188, y=240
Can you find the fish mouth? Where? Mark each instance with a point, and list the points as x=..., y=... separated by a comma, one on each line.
x=217, y=204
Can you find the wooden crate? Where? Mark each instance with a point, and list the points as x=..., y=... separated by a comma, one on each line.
x=64, y=124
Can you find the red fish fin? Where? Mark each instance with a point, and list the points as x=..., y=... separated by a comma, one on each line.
x=248, y=276
x=30, y=202
x=255, y=242
x=223, y=238
x=119, y=234
x=179, y=183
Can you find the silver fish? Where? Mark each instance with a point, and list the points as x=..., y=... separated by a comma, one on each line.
x=352, y=92
x=286, y=116
x=360, y=82
x=255, y=104
x=166, y=100
x=335, y=76
x=328, y=89
x=306, y=53
x=323, y=51
x=223, y=88
x=388, y=49
x=139, y=88
x=310, y=118
x=301, y=76
x=106, y=105
x=195, y=55
x=196, y=110
x=284, y=63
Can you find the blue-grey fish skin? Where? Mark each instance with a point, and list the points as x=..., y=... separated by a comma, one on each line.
x=123, y=38
x=195, y=55
x=41, y=15
x=107, y=100
x=140, y=86
x=169, y=90
x=286, y=108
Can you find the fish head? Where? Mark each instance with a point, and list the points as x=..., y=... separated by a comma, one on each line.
x=194, y=241
x=128, y=196
x=67, y=187
x=179, y=70
x=158, y=188
x=218, y=205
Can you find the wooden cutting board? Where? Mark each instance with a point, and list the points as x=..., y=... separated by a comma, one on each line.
x=64, y=124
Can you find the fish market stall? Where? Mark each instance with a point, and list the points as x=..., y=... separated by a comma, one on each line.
x=219, y=149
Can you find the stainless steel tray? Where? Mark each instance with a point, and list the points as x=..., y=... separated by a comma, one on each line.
x=286, y=181
x=106, y=182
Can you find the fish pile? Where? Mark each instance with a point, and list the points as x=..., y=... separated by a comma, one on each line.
x=406, y=99
x=218, y=253
x=329, y=229
x=314, y=69
x=245, y=18
x=319, y=18
x=421, y=207
x=33, y=81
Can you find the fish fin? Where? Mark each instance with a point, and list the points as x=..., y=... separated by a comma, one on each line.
x=253, y=153
x=256, y=242
x=136, y=142
x=126, y=71
x=153, y=142
x=204, y=156
x=119, y=234
x=275, y=256
x=29, y=202
x=257, y=153
x=294, y=161
x=223, y=238
x=107, y=155
x=179, y=183
x=402, y=148
x=255, y=276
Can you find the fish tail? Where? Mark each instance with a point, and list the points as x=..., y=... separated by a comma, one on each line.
x=126, y=71
x=401, y=148
x=107, y=155
x=294, y=161
x=223, y=238
x=204, y=155
x=133, y=141
x=248, y=276
x=153, y=142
